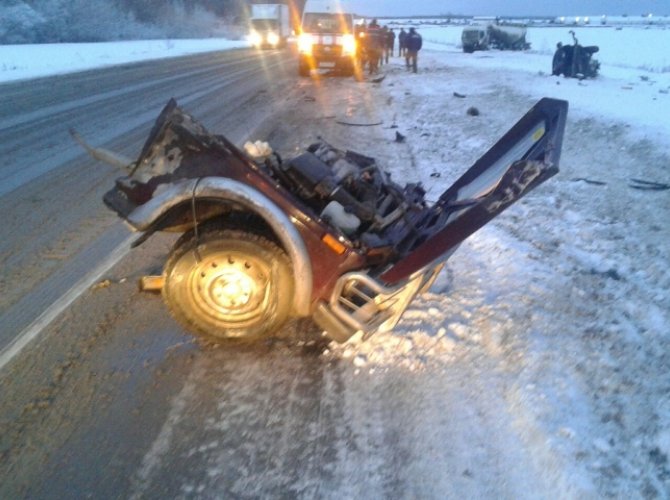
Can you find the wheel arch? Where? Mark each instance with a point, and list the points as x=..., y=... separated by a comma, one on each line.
x=234, y=193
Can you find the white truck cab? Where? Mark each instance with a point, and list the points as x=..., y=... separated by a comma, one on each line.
x=326, y=39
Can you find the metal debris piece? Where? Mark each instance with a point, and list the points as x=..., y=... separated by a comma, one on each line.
x=648, y=185
x=589, y=181
x=151, y=283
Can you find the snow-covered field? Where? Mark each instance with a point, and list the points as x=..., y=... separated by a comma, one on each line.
x=634, y=79
x=626, y=47
x=569, y=292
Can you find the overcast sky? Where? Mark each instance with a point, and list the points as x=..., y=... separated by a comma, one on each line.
x=382, y=8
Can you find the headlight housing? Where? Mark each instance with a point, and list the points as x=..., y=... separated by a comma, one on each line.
x=305, y=42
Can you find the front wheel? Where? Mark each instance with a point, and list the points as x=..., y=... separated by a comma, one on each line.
x=229, y=284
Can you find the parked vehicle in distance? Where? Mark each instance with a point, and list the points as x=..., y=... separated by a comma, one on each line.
x=325, y=234
x=270, y=25
x=575, y=61
x=326, y=39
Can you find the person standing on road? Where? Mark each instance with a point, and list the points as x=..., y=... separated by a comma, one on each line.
x=383, y=33
x=374, y=45
x=413, y=44
x=402, y=37
x=390, y=42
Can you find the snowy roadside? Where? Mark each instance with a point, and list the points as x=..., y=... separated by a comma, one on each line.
x=568, y=290
x=20, y=62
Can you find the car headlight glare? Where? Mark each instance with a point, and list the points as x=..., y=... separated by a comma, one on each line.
x=273, y=39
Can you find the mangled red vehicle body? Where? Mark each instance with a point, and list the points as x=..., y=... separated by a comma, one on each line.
x=325, y=234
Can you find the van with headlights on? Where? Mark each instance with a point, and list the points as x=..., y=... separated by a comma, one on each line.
x=326, y=39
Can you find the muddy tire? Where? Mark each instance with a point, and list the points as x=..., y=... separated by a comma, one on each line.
x=229, y=284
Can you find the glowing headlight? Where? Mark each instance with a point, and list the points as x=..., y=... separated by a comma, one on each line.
x=273, y=39
x=305, y=43
x=255, y=38
x=348, y=45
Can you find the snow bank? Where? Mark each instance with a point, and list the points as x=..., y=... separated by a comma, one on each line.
x=18, y=62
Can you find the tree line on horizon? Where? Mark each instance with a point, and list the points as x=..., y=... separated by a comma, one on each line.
x=61, y=21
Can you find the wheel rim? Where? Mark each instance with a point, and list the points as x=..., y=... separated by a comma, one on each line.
x=229, y=284
x=230, y=287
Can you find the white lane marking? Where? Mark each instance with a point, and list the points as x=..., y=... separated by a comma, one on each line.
x=33, y=330
x=153, y=459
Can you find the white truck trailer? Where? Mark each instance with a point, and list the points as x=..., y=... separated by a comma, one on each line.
x=270, y=25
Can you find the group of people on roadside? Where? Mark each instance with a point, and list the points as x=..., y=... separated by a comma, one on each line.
x=378, y=44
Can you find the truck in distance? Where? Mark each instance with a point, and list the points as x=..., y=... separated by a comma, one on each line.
x=270, y=25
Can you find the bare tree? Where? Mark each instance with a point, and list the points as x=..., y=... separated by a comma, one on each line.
x=42, y=21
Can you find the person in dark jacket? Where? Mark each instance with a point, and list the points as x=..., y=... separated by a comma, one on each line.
x=383, y=33
x=413, y=44
x=402, y=36
x=390, y=42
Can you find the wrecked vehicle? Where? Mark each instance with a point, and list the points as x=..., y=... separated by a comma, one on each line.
x=474, y=38
x=496, y=35
x=326, y=234
x=575, y=61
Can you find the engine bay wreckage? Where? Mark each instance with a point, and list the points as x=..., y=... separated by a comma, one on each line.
x=326, y=234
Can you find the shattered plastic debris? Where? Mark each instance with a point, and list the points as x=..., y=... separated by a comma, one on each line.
x=102, y=284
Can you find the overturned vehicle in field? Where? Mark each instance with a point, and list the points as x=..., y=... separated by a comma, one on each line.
x=325, y=234
x=575, y=61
